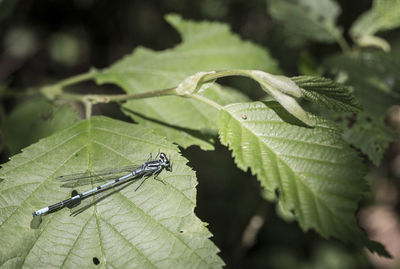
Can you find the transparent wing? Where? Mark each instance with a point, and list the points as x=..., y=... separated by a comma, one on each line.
x=86, y=178
x=87, y=202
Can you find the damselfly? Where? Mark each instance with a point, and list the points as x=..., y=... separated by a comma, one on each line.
x=149, y=168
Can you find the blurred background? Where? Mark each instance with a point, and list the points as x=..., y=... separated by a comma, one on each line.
x=45, y=41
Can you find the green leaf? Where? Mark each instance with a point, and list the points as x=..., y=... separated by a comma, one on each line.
x=384, y=15
x=315, y=20
x=327, y=93
x=206, y=46
x=316, y=175
x=152, y=227
x=35, y=119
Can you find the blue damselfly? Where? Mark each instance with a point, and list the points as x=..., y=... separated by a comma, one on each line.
x=147, y=169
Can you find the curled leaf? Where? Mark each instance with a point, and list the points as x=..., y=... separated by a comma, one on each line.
x=280, y=83
x=194, y=84
x=280, y=88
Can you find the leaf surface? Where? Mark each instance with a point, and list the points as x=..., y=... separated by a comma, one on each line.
x=315, y=174
x=153, y=227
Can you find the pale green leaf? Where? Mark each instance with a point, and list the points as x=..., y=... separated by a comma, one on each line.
x=35, y=119
x=206, y=46
x=194, y=84
x=327, y=93
x=384, y=15
x=153, y=227
x=312, y=19
x=278, y=82
x=280, y=88
x=316, y=174
x=291, y=105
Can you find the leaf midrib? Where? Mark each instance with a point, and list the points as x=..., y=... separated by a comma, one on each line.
x=315, y=196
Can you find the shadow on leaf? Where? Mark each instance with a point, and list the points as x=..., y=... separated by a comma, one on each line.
x=284, y=114
x=205, y=135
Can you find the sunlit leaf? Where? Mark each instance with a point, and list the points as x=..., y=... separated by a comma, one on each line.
x=153, y=227
x=315, y=174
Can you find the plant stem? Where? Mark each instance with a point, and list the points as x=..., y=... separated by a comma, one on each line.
x=88, y=109
x=76, y=79
x=343, y=44
x=55, y=91
x=98, y=98
x=205, y=100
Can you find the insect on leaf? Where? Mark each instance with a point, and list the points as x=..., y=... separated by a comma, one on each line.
x=154, y=226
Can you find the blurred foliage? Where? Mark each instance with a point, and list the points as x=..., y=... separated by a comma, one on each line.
x=35, y=119
x=66, y=49
x=375, y=79
x=315, y=20
x=44, y=41
x=383, y=16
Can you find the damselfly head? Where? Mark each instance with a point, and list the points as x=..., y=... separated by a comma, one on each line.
x=165, y=162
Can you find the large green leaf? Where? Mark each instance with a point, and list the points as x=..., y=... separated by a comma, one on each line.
x=152, y=227
x=315, y=174
x=35, y=119
x=384, y=15
x=312, y=19
x=205, y=46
